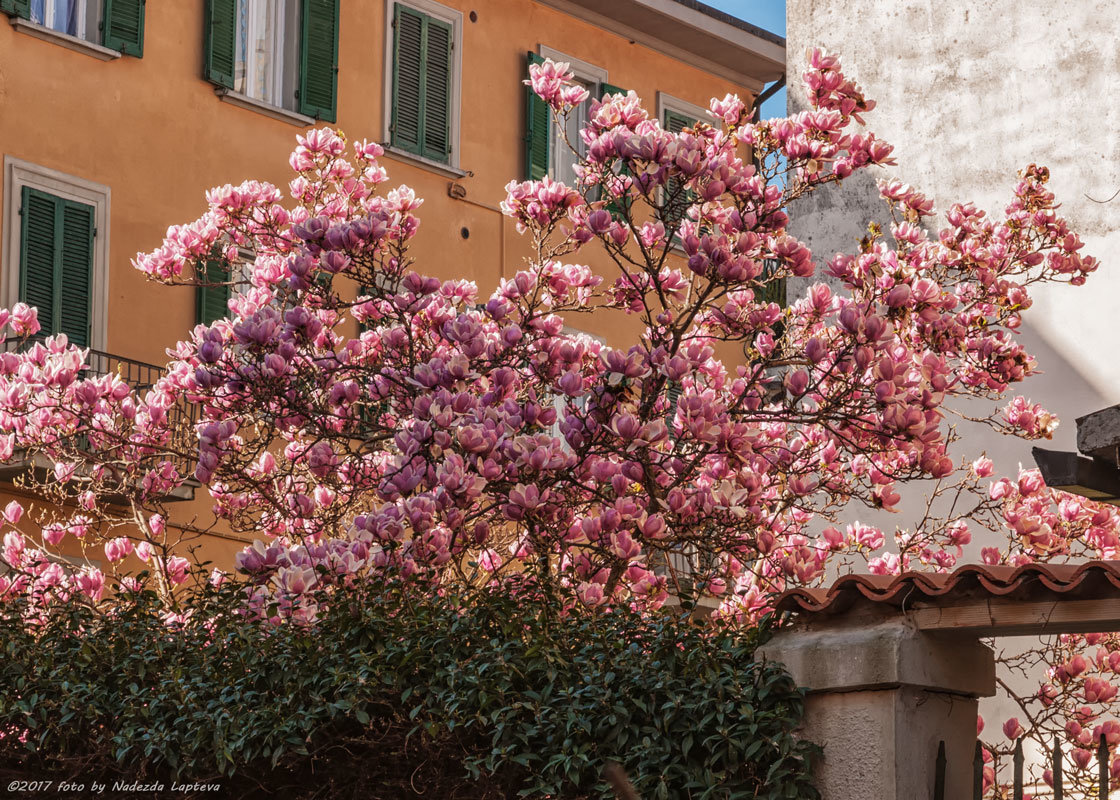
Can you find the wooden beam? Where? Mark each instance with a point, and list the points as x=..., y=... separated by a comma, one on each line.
x=1070, y=472
x=999, y=617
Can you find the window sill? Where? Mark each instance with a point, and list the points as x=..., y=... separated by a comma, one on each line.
x=63, y=39
x=406, y=157
x=261, y=107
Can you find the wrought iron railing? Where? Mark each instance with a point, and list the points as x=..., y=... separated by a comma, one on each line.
x=141, y=376
x=1056, y=788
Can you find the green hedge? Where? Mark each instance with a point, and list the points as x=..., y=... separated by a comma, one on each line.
x=394, y=695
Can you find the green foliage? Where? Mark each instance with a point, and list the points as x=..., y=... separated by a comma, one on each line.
x=392, y=694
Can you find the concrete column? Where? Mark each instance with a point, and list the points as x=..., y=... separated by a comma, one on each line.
x=881, y=696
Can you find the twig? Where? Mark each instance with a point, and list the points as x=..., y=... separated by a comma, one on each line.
x=1109, y=200
x=616, y=777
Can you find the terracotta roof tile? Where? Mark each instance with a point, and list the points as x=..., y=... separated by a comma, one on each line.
x=1087, y=580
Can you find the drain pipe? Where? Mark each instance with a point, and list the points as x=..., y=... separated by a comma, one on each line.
x=773, y=89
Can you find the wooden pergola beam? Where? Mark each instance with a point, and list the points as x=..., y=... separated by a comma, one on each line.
x=1074, y=473
x=999, y=617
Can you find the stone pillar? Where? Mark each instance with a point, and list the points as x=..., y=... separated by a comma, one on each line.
x=881, y=696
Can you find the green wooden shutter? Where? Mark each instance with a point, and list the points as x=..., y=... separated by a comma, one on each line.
x=675, y=213
x=123, y=26
x=437, y=90
x=613, y=207
x=38, y=236
x=76, y=273
x=673, y=392
x=212, y=301
x=676, y=122
x=407, y=119
x=56, y=263
x=774, y=291
x=538, y=120
x=220, y=41
x=422, y=84
x=18, y=8
x=318, y=72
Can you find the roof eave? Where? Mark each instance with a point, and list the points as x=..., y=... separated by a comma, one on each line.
x=746, y=56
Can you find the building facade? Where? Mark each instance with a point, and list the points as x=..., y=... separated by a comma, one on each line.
x=117, y=115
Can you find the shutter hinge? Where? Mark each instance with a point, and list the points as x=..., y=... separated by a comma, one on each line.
x=95, y=232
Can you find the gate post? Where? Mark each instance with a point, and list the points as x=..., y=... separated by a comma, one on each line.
x=881, y=696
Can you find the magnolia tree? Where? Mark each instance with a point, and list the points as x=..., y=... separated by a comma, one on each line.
x=359, y=418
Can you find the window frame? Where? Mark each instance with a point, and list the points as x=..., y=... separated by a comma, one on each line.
x=104, y=43
x=83, y=11
x=214, y=72
x=450, y=17
x=585, y=72
x=559, y=401
x=286, y=71
x=667, y=102
x=238, y=280
x=18, y=174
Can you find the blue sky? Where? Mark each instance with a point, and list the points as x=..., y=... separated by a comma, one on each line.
x=769, y=15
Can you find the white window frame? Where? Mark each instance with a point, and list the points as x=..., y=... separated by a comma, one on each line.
x=18, y=174
x=584, y=71
x=285, y=77
x=560, y=401
x=666, y=102
x=455, y=20
x=89, y=17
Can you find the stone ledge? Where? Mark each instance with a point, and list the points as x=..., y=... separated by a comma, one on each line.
x=63, y=39
x=396, y=154
x=261, y=107
x=884, y=656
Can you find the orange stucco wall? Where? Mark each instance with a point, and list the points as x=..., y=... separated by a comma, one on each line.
x=154, y=131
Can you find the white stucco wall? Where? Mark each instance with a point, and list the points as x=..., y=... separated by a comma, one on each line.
x=969, y=93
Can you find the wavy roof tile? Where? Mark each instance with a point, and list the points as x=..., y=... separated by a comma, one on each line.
x=1089, y=580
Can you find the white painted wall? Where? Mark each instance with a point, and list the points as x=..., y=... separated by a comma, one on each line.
x=969, y=93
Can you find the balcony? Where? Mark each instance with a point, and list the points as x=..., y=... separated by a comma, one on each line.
x=140, y=376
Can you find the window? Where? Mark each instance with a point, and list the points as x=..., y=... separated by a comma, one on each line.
x=564, y=404
x=212, y=301
x=423, y=118
x=563, y=138
x=115, y=24
x=264, y=66
x=72, y=17
x=223, y=278
x=56, y=262
x=775, y=290
x=676, y=115
x=278, y=53
x=548, y=146
x=56, y=250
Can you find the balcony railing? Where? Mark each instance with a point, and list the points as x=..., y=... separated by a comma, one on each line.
x=141, y=376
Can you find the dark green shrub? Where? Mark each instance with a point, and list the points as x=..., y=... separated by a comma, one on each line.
x=392, y=695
